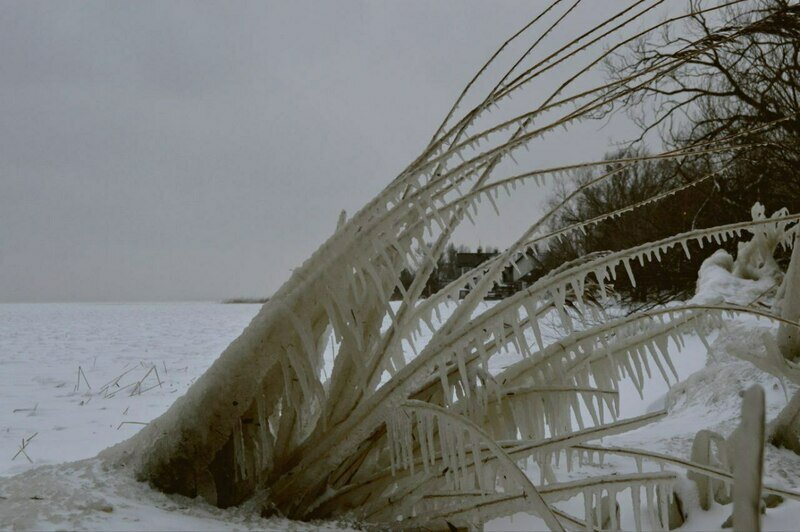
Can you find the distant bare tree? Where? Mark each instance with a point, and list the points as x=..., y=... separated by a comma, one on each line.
x=747, y=75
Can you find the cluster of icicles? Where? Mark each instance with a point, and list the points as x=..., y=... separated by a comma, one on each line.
x=363, y=264
x=556, y=288
x=587, y=364
x=503, y=327
x=506, y=326
x=472, y=482
x=540, y=396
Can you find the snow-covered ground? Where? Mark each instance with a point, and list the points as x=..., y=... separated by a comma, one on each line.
x=115, y=346
x=77, y=378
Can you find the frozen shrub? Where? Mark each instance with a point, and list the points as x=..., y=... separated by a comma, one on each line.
x=403, y=438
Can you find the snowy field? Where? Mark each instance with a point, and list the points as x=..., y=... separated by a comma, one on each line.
x=77, y=378
x=116, y=346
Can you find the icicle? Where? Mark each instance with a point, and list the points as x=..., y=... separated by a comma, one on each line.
x=598, y=505
x=494, y=205
x=576, y=409
x=498, y=336
x=516, y=268
x=643, y=356
x=662, y=344
x=577, y=289
x=704, y=340
x=478, y=463
x=431, y=442
x=438, y=313
x=663, y=505
x=612, y=508
x=462, y=370
x=443, y=380
x=462, y=458
x=600, y=274
x=559, y=299
x=652, y=505
x=469, y=215
x=537, y=332
x=452, y=452
x=637, y=506
x=661, y=368
x=627, y=365
x=547, y=470
x=627, y=264
x=423, y=443
x=405, y=434
x=637, y=365
x=588, y=510
x=612, y=272
x=522, y=343
x=444, y=450
x=482, y=354
x=426, y=319
x=391, y=440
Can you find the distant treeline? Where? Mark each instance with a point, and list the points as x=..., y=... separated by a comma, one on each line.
x=741, y=96
x=246, y=301
x=738, y=181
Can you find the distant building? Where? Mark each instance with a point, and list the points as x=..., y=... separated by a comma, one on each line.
x=515, y=277
x=467, y=261
x=518, y=276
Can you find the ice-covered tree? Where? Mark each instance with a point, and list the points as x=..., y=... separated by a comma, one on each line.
x=402, y=438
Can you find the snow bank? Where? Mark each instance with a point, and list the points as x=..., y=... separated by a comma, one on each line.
x=716, y=283
x=82, y=495
x=711, y=399
x=754, y=274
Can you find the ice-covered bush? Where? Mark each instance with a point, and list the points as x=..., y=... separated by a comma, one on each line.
x=395, y=437
x=754, y=274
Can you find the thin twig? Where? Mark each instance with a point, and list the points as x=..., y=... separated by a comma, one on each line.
x=25, y=442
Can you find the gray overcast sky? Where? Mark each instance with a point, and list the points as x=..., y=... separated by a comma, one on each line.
x=192, y=150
